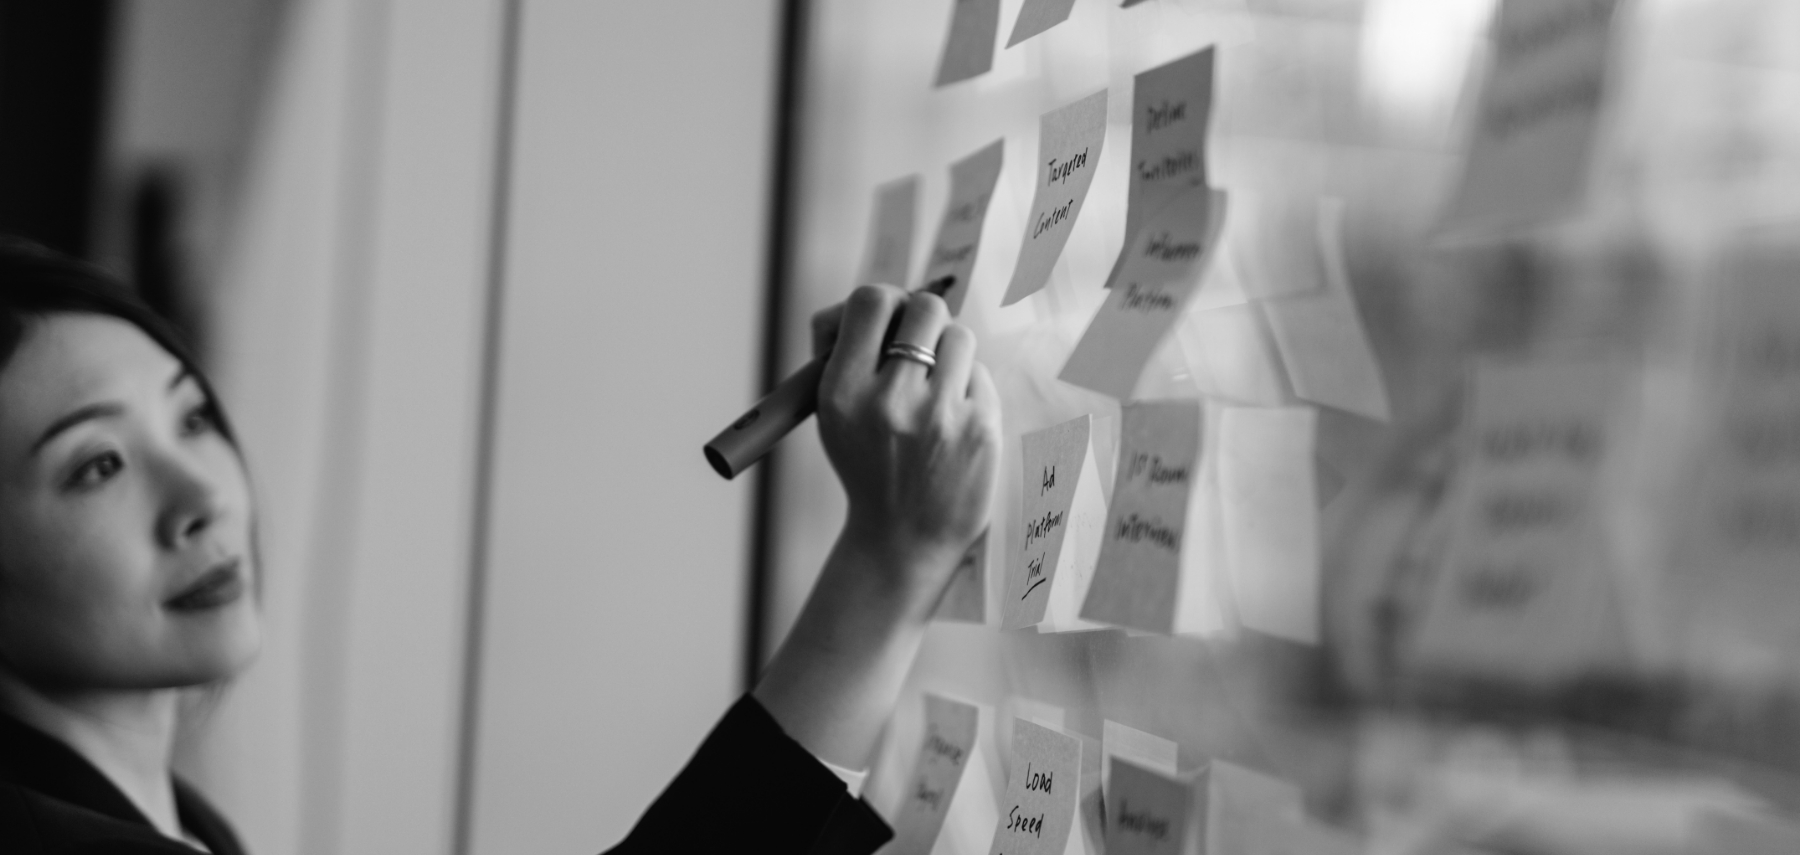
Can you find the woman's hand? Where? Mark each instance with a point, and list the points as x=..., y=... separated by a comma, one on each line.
x=916, y=449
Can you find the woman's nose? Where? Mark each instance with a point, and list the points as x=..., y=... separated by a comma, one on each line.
x=189, y=500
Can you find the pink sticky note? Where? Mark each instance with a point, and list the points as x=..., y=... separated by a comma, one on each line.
x=1321, y=336
x=1069, y=143
x=969, y=48
x=1037, y=16
x=1064, y=515
x=1536, y=117
x=1525, y=592
x=959, y=233
x=888, y=254
x=950, y=732
x=1153, y=290
x=1149, y=544
x=1038, y=812
x=1146, y=810
x=1170, y=110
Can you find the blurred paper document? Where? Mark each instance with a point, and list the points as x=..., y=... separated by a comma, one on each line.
x=1525, y=592
x=1536, y=117
x=959, y=233
x=1170, y=108
x=969, y=48
x=951, y=728
x=1271, y=519
x=1146, y=811
x=1153, y=291
x=1146, y=554
x=1069, y=142
x=1241, y=805
x=1321, y=336
x=1037, y=16
x=1064, y=516
x=887, y=257
x=1231, y=355
x=1037, y=814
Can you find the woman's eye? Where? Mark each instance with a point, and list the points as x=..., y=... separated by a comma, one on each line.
x=96, y=470
x=198, y=421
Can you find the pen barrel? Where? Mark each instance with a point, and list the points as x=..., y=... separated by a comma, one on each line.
x=746, y=441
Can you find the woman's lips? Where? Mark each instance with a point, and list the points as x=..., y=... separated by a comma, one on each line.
x=220, y=586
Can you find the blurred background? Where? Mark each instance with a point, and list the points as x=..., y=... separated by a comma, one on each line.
x=478, y=277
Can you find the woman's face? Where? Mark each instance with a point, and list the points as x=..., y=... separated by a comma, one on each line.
x=125, y=516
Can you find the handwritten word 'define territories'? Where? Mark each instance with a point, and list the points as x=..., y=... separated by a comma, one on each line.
x=1049, y=219
x=1163, y=114
x=1061, y=171
x=1132, y=528
x=1169, y=166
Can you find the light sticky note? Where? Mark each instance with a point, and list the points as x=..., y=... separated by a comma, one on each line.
x=1271, y=518
x=888, y=254
x=1064, y=515
x=1069, y=142
x=1525, y=591
x=1146, y=810
x=1153, y=752
x=1037, y=813
x=1151, y=295
x=1321, y=336
x=965, y=596
x=951, y=728
x=1231, y=355
x=969, y=47
x=1146, y=548
x=1037, y=16
x=1241, y=804
x=1171, y=106
x=959, y=233
x=1535, y=118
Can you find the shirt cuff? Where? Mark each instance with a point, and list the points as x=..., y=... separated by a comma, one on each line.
x=853, y=780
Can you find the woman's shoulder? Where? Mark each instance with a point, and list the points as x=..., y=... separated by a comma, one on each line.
x=34, y=822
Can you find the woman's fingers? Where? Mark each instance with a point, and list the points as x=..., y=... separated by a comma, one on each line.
x=955, y=360
x=825, y=325
x=864, y=325
x=921, y=324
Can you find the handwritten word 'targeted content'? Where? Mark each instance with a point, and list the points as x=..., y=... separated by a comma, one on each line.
x=1061, y=171
x=1053, y=218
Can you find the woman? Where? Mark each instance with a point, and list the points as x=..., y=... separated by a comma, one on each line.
x=128, y=573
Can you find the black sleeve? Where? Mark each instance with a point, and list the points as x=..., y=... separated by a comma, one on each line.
x=750, y=789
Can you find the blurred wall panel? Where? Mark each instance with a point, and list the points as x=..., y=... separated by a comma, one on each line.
x=633, y=297
x=349, y=311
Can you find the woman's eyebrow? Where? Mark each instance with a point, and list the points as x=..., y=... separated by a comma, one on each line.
x=182, y=374
x=76, y=417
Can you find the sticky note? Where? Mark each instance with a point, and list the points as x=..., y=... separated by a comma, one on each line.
x=959, y=233
x=1240, y=804
x=1069, y=143
x=951, y=728
x=1145, y=549
x=1151, y=295
x=1171, y=106
x=965, y=596
x=888, y=254
x=969, y=48
x=1037, y=813
x=1271, y=518
x=1524, y=591
x=1231, y=355
x=1135, y=745
x=1321, y=337
x=1064, y=515
x=1037, y=16
x=1146, y=810
x=1535, y=117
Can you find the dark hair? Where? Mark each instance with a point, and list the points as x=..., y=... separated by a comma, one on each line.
x=37, y=282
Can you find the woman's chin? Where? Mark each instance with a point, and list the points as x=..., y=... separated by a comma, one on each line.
x=220, y=648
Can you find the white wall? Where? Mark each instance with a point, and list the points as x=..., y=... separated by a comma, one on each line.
x=633, y=302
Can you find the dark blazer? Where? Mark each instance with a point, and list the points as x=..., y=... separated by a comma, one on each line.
x=748, y=789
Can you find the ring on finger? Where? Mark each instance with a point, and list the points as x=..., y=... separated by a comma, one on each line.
x=916, y=353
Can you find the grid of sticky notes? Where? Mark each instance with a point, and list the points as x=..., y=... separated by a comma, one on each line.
x=1357, y=359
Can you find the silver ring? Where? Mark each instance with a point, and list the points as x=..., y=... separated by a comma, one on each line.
x=916, y=353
